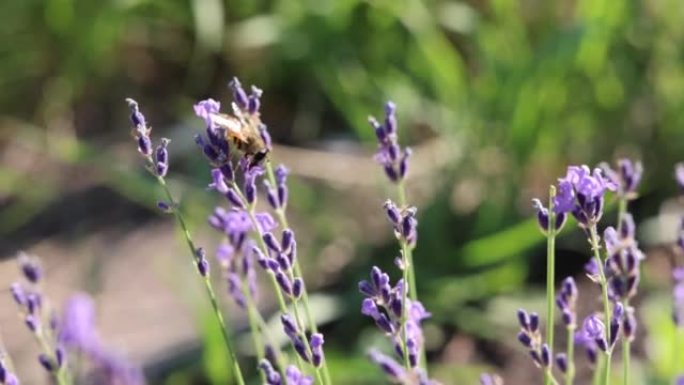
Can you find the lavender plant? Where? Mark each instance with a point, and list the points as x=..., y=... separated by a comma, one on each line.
x=530, y=337
x=40, y=318
x=157, y=163
x=278, y=258
x=396, y=309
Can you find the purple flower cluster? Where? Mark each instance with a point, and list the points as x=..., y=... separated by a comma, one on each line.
x=403, y=221
x=543, y=217
x=280, y=262
x=626, y=178
x=581, y=192
x=390, y=155
x=292, y=375
x=297, y=337
x=623, y=260
x=592, y=335
x=385, y=305
x=277, y=195
x=530, y=337
x=566, y=301
x=39, y=318
x=159, y=158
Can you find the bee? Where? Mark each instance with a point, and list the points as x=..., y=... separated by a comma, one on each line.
x=244, y=136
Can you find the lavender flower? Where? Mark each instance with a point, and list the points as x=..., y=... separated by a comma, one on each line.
x=581, y=192
x=37, y=314
x=277, y=195
x=530, y=337
x=404, y=222
x=384, y=304
x=566, y=302
x=623, y=260
x=294, y=377
x=270, y=374
x=627, y=177
x=392, y=369
x=390, y=155
x=141, y=132
x=543, y=217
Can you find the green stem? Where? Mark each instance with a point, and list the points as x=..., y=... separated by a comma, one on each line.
x=207, y=282
x=570, y=351
x=408, y=267
x=550, y=272
x=595, y=246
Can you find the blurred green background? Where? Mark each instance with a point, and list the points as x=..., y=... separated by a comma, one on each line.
x=496, y=97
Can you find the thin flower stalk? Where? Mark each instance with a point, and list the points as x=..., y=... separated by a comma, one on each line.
x=157, y=163
x=550, y=223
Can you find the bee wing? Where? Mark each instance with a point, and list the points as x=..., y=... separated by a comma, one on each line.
x=232, y=126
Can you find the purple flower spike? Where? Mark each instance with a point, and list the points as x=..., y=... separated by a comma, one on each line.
x=295, y=377
x=390, y=367
x=581, y=192
x=316, y=344
x=206, y=108
x=30, y=267
x=272, y=375
x=162, y=157
x=392, y=158
x=239, y=95
x=141, y=130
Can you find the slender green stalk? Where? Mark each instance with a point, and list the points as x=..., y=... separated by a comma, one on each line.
x=207, y=282
x=595, y=246
x=408, y=268
x=550, y=272
x=282, y=219
x=254, y=326
x=548, y=376
x=570, y=353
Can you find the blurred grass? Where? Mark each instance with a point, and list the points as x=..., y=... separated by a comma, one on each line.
x=524, y=86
